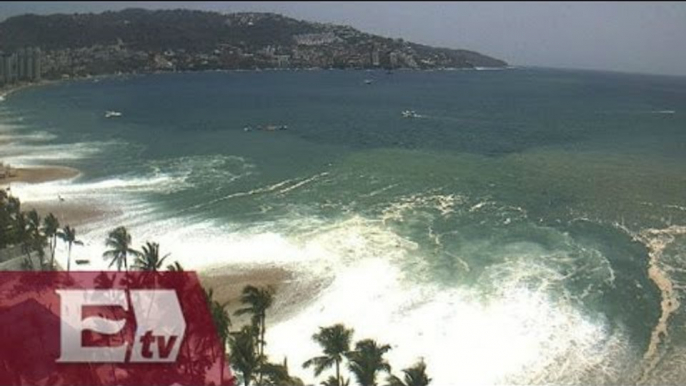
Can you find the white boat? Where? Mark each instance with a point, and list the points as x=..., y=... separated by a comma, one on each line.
x=410, y=114
x=273, y=127
x=112, y=114
x=368, y=81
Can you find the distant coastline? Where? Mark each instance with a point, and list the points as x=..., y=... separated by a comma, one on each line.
x=138, y=40
x=6, y=91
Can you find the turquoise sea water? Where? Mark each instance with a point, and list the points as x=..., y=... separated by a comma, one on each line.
x=528, y=227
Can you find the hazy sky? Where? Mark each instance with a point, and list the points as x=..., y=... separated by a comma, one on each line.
x=634, y=37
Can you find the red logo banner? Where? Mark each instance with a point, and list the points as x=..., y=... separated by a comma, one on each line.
x=108, y=328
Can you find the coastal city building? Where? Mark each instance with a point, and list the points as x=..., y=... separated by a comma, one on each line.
x=24, y=65
x=376, y=62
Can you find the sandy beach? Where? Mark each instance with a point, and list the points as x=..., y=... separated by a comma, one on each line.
x=72, y=213
x=291, y=291
x=6, y=91
x=39, y=174
x=227, y=282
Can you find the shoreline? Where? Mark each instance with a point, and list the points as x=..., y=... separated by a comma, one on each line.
x=38, y=174
x=293, y=290
x=6, y=91
x=67, y=212
x=227, y=281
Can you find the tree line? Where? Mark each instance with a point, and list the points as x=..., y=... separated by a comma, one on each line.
x=365, y=360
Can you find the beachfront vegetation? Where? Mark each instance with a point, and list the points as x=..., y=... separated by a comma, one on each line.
x=50, y=227
x=36, y=241
x=257, y=300
x=26, y=232
x=148, y=259
x=68, y=235
x=413, y=376
x=367, y=361
x=220, y=317
x=335, y=342
x=119, y=242
x=243, y=353
x=246, y=344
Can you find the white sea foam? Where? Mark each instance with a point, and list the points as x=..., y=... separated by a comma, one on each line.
x=459, y=331
x=456, y=330
x=517, y=336
x=161, y=177
x=459, y=334
x=21, y=154
x=445, y=204
x=39, y=136
x=204, y=168
x=102, y=190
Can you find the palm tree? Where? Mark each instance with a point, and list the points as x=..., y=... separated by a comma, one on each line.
x=36, y=240
x=258, y=301
x=278, y=375
x=33, y=222
x=28, y=234
x=220, y=317
x=176, y=267
x=414, y=376
x=335, y=341
x=332, y=381
x=50, y=227
x=119, y=240
x=149, y=258
x=9, y=213
x=244, y=357
x=13, y=205
x=367, y=361
x=23, y=235
x=38, y=243
x=68, y=235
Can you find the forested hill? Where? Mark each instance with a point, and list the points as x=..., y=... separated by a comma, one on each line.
x=137, y=39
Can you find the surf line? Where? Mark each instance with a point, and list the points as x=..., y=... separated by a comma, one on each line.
x=656, y=240
x=296, y=184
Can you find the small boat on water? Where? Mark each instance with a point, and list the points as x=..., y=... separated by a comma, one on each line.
x=410, y=114
x=266, y=128
x=112, y=114
x=274, y=127
x=368, y=81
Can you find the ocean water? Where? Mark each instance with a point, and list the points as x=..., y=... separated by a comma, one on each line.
x=529, y=227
